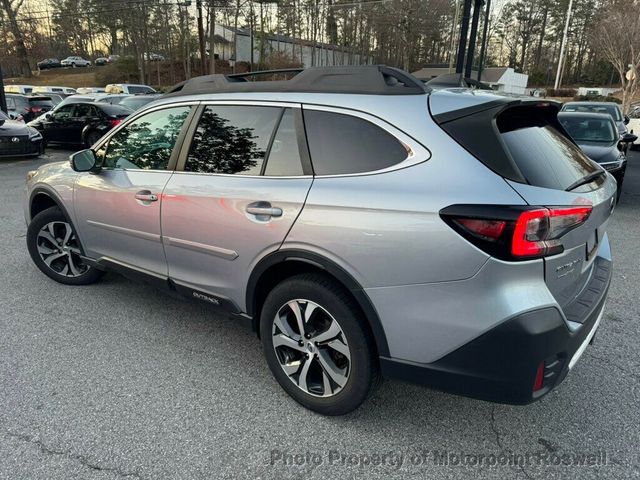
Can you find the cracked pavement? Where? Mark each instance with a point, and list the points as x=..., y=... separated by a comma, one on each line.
x=118, y=380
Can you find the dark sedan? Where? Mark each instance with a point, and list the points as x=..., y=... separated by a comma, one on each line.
x=79, y=123
x=18, y=139
x=48, y=63
x=597, y=136
x=29, y=107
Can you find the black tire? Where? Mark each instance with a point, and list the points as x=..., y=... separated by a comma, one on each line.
x=54, y=214
x=91, y=138
x=363, y=376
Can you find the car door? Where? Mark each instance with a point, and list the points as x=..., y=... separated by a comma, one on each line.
x=54, y=125
x=240, y=184
x=118, y=209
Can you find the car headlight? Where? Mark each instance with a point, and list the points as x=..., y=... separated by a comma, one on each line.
x=31, y=174
x=614, y=165
x=34, y=135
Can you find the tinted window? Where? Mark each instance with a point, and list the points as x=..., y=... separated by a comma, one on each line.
x=232, y=140
x=284, y=156
x=611, y=109
x=135, y=103
x=41, y=103
x=115, y=110
x=547, y=158
x=11, y=104
x=83, y=110
x=589, y=129
x=147, y=142
x=342, y=144
x=133, y=89
x=64, y=112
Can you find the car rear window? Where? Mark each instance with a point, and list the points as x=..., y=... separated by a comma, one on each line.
x=544, y=155
x=611, y=109
x=114, y=110
x=41, y=102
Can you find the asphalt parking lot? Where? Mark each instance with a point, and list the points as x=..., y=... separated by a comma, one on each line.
x=119, y=380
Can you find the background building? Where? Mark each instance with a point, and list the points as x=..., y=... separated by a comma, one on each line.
x=502, y=79
x=235, y=44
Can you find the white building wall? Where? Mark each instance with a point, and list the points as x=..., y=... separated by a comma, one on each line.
x=512, y=82
x=308, y=55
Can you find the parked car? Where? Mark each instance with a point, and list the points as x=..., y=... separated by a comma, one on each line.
x=66, y=91
x=90, y=90
x=75, y=61
x=29, y=107
x=79, y=123
x=112, y=99
x=100, y=61
x=21, y=89
x=18, y=139
x=154, y=57
x=113, y=58
x=634, y=126
x=333, y=219
x=597, y=136
x=610, y=108
x=129, y=88
x=49, y=63
x=90, y=97
x=135, y=102
x=56, y=98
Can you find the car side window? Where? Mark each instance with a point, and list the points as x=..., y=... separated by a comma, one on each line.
x=147, y=142
x=232, y=139
x=284, y=155
x=82, y=110
x=64, y=112
x=11, y=104
x=341, y=144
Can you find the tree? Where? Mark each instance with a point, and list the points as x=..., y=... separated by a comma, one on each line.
x=616, y=35
x=11, y=9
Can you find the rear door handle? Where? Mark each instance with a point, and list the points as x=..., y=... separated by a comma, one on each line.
x=146, y=196
x=263, y=209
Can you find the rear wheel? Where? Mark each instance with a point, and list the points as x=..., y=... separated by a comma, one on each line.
x=54, y=248
x=317, y=345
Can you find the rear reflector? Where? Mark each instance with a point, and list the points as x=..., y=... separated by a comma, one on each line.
x=115, y=122
x=515, y=232
x=539, y=381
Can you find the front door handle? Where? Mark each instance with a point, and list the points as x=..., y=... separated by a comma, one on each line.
x=263, y=209
x=146, y=196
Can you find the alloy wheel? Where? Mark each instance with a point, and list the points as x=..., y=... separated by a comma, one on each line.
x=311, y=348
x=59, y=250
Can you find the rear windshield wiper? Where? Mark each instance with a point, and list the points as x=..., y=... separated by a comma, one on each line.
x=584, y=180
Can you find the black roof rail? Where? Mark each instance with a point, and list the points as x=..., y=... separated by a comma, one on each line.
x=452, y=80
x=364, y=79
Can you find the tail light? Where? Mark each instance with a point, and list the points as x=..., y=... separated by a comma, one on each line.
x=538, y=383
x=515, y=233
x=35, y=109
x=114, y=122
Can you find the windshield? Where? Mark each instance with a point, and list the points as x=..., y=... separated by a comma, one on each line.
x=606, y=108
x=583, y=129
x=135, y=103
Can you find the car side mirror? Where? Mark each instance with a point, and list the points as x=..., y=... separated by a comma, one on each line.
x=85, y=161
x=626, y=120
x=629, y=138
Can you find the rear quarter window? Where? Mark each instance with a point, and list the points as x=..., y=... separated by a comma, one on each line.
x=344, y=144
x=542, y=152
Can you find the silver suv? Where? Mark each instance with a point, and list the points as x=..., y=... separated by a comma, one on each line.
x=361, y=223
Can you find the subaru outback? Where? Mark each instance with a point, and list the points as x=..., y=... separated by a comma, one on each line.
x=363, y=224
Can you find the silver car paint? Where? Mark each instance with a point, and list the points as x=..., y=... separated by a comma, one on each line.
x=432, y=289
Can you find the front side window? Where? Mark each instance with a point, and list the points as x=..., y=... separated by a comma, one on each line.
x=232, y=139
x=343, y=144
x=147, y=142
x=64, y=113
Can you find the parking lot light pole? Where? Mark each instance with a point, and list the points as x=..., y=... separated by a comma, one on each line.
x=3, y=99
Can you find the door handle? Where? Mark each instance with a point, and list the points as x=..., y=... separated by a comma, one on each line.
x=146, y=196
x=263, y=209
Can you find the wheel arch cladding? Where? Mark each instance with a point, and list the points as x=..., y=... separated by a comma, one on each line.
x=40, y=201
x=283, y=264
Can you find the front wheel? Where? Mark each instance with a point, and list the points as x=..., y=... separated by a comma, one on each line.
x=54, y=248
x=317, y=344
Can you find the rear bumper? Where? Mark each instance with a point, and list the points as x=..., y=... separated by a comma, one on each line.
x=501, y=365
